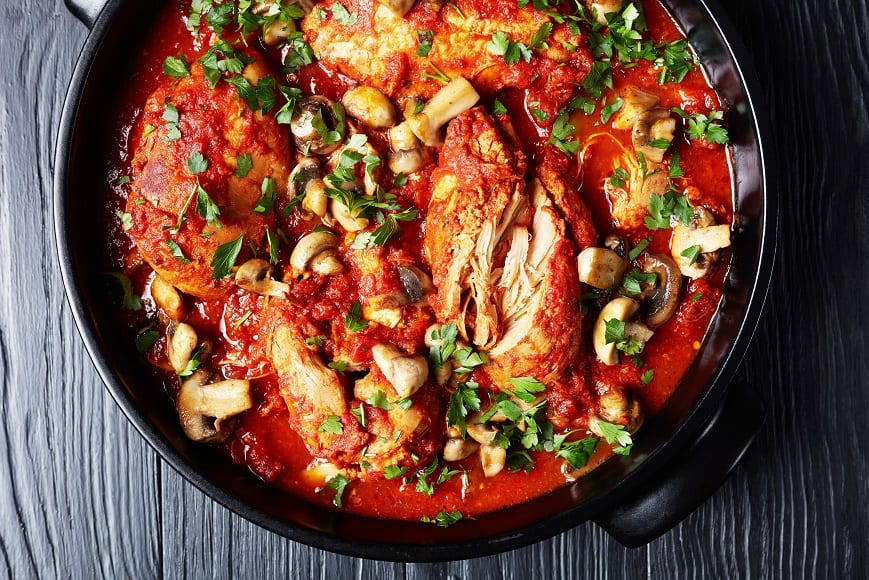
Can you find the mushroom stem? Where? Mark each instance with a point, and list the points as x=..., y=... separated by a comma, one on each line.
x=204, y=408
x=453, y=99
x=407, y=373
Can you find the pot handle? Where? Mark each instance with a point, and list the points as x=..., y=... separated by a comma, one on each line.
x=86, y=10
x=690, y=478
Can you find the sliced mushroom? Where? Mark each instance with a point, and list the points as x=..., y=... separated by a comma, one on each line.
x=398, y=7
x=457, y=449
x=417, y=284
x=650, y=129
x=493, y=459
x=402, y=138
x=616, y=406
x=256, y=275
x=167, y=298
x=406, y=161
x=617, y=244
x=384, y=309
x=183, y=340
x=203, y=409
x=306, y=118
x=662, y=298
x=370, y=107
x=453, y=99
x=622, y=309
x=346, y=218
x=635, y=103
x=319, y=247
x=600, y=267
x=407, y=373
x=307, y=169
x=316, y=201
x=482, y=433
x=705, y=241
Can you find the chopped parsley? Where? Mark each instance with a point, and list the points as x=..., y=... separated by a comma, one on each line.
x=675, y=61
x=266, y=202
x=638, y=249
x=443, y=519
x=354, y=321
x=129, y=300
x=467, y=359
x=343, y=16
x=647, y=376
x=316, y=340
x=498, y=108
x=575, y=453
x=338, y=484
x=513, y=52
x=631, y=282
x=702, y=126
x=332, y=425
x=609, y=110
x=663, y=209
x=205, y=207
x=619, y=177
x=691, y=252
x=562, y=133
x=172, y=118
x=465, y=398
x=526, y=388
x=146, y=340
x=176, y=66
x=126, y=220
x=176, y=252
x=615, y=332
x=440, y=353
x=379, y=401
x=393, y=471
x=617, y=436
x=675, y=170
x=538, y=39
x=224, y=258
x=196, y=163
x=425, y=42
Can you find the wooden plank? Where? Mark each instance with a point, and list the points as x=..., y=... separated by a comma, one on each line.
x=77, y=489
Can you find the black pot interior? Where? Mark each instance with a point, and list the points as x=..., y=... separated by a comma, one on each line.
x=80, y=172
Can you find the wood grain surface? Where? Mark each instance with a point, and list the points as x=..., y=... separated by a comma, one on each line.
x=82, y=496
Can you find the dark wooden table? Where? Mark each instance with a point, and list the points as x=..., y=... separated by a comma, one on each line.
x=82, y=495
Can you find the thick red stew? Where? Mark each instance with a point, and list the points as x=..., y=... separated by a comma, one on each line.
x=418, y=259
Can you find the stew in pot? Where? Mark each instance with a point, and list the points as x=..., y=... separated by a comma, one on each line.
x=418, y=259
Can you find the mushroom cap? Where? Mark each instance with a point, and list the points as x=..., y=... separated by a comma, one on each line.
x=621, y=308
x=662, y=300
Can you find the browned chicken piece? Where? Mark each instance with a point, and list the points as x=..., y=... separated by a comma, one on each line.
x=314, y=393
x=383, y=50
x=402, y=437
x=215, y=124
x=501, y=257
x=477, y=194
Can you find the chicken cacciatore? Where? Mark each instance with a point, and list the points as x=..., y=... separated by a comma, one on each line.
x=418, y=259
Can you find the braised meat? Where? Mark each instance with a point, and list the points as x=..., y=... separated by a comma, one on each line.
x=169, y=200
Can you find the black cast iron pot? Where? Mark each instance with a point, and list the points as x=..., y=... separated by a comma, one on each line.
x=682, y=454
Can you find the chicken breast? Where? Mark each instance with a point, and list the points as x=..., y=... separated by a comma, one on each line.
x=182, y=120
x=502, y=260
x=377, y=48
x=315, y=395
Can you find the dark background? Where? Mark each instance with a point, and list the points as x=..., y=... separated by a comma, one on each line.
x=81, y=494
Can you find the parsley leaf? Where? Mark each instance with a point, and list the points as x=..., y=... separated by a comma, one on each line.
x=631, y=283
x=692, y=253
x=342, y=16
x=389, y=227
x=332, y=425
x=425, y=42
x=196, y=163
x=638, y=249
x=619, y=177
x=359, y=413
x=526, y=388
x=443, y=519
x=616, y=436
x=243, y=165
x=146, y=340
x=205, y=207
x=664, y=207
x=562, y=133
x=443, y=341
x=354, y=321
x=224, y=258
x=176, y=67
x=129, y=300
x=172, y=118
x=575, y=453
x=647, y=376
x=675, y=61
x=615, y=332
x=339, y=484
x=609, y=110
x=267, y=200
x=465, y=398
x=393, y=471
x=675, y=166
x=379, y=401
x=176, y=252
x=700, y=126
x=513, y=52
x=538, y=39
x=498, y=108
x=467, y=358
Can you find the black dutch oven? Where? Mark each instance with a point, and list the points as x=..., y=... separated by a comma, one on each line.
x=682, y=455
